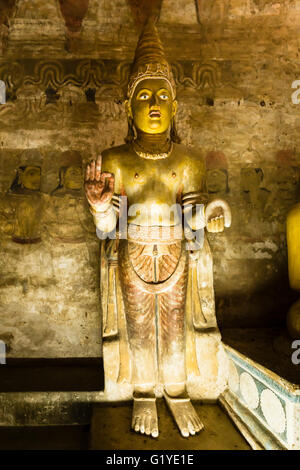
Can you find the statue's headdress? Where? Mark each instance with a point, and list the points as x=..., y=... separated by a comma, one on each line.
x=150, y=60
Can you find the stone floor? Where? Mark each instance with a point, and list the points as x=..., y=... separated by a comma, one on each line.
x=110, y=430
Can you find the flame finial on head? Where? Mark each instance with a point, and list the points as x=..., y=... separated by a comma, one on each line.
x=150, y=60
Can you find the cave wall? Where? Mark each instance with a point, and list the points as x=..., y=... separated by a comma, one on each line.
x=234, y=63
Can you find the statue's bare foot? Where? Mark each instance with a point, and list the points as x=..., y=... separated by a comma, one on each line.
x=144, y=416
x=184, y=414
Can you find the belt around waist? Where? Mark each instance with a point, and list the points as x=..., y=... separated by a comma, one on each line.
x=154, y=234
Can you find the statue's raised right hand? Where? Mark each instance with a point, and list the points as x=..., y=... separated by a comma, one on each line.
x=99, y=187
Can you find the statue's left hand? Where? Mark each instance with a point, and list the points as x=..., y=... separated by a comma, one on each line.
x=217, y=216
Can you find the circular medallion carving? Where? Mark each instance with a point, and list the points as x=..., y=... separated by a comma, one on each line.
x=249, y=390
x=273, y=410
x=233, y=379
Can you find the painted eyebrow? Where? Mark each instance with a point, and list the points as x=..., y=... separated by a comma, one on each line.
x=150, y=91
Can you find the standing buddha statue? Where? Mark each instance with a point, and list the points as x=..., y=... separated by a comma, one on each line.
x=153, y=172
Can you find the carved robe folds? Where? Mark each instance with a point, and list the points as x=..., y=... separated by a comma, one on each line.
x=177, y=285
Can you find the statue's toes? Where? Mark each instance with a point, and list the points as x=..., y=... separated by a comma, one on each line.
x=191, y=428
x=153, y=427
x=195, y=420
x=185, y=432
x=142, y=425
x=148, y=425
x=183, y=426
x=133, y=422
x=198, y=423
x=137, y=424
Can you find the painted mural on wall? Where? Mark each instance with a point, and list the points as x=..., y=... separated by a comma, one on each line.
x=47, y=243
x=21, y=205
x=217, y=174
x=284, y=187
x=68, y=224
x=254, y=199
x=67, y=214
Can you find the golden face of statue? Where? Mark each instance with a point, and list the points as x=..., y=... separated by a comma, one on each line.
x=73, y=177
x=30, y=177
x=152, y=106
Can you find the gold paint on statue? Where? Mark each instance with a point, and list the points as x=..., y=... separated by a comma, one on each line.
x=293, y=242
x=154, y=293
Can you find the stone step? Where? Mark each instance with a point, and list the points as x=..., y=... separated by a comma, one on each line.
x=52, y=375
x=49, y=392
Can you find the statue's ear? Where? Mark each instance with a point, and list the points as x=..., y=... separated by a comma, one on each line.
x=128, y=109
x=175, y=107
